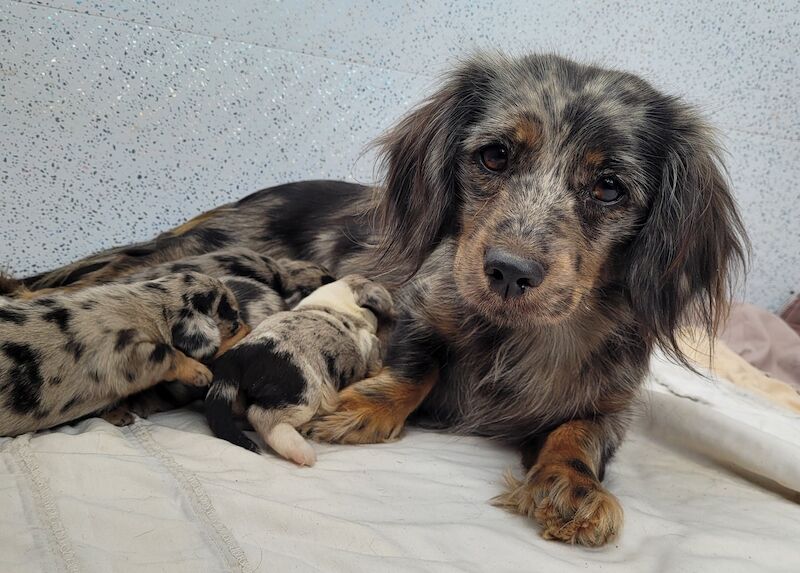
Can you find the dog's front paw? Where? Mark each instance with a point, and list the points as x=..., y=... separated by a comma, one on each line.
x=357, y=420
x=567, y=501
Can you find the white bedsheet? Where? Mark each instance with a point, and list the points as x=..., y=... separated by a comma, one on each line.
x=163, y=495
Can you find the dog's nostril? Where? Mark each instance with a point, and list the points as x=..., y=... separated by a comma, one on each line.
x=496, y=275
x=524, y=283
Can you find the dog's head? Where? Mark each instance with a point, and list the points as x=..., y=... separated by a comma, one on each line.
x=300, y=278
x=206, y=316
x=372, y=296
x=558, y=182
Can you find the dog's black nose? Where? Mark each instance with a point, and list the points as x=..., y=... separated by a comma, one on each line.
x=509, y=275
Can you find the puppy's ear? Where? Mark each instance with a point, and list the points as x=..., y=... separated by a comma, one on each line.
x=685, y=259
x=420, y=156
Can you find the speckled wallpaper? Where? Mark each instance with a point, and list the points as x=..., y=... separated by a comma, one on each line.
x=119, y=119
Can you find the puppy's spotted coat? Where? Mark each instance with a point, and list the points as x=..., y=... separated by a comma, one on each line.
x=68, y=355
x=292, y=365
x=262, y=286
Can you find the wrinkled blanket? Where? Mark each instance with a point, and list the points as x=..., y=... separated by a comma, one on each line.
x=708, y=478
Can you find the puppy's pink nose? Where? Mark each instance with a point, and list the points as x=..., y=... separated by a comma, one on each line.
x=509, y=275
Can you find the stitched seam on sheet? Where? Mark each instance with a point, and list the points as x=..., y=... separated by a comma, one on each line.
x=198, y=497
x=46, y=507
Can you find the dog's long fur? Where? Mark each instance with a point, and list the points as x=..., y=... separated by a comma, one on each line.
x=557, y=369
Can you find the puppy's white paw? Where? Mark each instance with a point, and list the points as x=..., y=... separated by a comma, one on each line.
x=303, y=455
x=287, y=442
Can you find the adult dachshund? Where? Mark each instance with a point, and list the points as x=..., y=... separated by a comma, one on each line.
x=545, y=224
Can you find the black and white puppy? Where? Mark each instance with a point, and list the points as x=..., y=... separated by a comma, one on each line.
x=292, y=365
x=68, y=355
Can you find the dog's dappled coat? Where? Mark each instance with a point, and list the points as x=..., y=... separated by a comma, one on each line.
x=545, y=224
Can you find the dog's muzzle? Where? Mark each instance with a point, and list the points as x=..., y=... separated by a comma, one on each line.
x=510, y=275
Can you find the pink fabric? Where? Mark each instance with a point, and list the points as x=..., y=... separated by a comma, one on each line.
x=791, y=314
x=765, y=341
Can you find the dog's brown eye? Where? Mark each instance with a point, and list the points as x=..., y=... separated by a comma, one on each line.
x=607, y=189
x=494, y=157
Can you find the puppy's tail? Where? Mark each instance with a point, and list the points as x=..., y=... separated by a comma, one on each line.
x=219, y=406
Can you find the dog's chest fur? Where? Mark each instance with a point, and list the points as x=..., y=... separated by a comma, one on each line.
x=508, y=397
x=510, y=384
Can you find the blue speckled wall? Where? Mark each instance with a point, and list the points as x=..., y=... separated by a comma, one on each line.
x=122, y=118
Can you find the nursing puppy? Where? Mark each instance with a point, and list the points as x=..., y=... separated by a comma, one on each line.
x=262, y=285
x=293, y=364
x=65, y=356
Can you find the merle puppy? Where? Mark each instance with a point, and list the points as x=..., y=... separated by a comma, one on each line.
x=72, y=354
x=262, y=285
x=546, y=224
x=290, y=366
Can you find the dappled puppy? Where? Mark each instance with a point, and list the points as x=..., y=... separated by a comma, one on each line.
x=292, y=365
x=262, y=285
x=68, y=355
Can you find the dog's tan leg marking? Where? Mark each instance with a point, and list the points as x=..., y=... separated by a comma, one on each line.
x=373, y=410
x=232, y=341
x=562, y=493
x=187, y=370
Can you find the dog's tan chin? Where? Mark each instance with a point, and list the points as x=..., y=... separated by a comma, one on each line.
x=513, y=314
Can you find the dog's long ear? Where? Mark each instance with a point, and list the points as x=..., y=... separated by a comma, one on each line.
x=420, y=154
x=685, y=259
